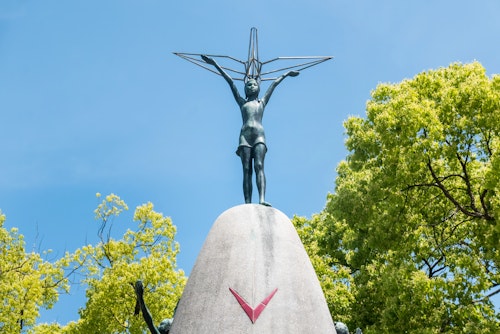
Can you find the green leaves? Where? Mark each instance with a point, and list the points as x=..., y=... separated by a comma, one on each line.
x=414, y=216
x=27, y=282
x=111, y=267
x=107, y=270
x=334, y=277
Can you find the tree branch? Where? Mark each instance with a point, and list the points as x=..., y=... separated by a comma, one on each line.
x=448, y=195
x=466, y=179
x=491, y=294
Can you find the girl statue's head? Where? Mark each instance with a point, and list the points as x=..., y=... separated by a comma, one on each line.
x=252, y=88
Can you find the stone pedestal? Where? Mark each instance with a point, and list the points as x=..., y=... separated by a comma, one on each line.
x=252, y=276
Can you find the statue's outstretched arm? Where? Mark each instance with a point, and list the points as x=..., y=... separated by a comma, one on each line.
x=139, y=291
x=226, y=76
x=275, y=83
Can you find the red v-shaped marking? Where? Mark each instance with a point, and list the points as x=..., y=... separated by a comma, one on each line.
x=253, y=313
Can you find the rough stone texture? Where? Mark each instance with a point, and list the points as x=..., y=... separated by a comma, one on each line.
x=252, y=249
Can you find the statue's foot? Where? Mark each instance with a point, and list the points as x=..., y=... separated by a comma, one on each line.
x=265, y=203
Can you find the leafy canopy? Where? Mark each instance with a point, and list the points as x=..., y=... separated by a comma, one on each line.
x=415, y=212
x=107, y=269
x=27, y=282
x=111, y=267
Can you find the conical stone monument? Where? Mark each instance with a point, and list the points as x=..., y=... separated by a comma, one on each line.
x=252, y=276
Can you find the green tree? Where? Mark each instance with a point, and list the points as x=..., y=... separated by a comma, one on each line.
x=111, y=267
x=27, y=282
x=416, y=206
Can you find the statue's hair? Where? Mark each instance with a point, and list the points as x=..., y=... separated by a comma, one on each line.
x=257, y=78
x=341, y=328
x=165, y=326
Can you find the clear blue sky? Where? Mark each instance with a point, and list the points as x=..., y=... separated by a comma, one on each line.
x=93, y=100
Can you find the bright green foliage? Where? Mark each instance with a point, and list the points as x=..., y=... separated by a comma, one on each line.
x=416, y=209
x=27, y=282
x=112, y=266
x=334, y=277
x=108, y=270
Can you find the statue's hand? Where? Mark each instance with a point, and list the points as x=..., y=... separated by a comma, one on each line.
x=293, y=73
x=208, y=60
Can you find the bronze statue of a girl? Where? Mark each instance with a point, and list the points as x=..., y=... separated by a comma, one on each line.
x=252, y=145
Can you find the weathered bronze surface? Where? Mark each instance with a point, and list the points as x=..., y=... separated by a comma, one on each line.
x=252, y=143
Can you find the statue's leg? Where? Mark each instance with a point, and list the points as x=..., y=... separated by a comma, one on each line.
x=246, y=161
x=259, y=152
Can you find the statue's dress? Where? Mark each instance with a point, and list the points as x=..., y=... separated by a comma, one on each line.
x=252, y=131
